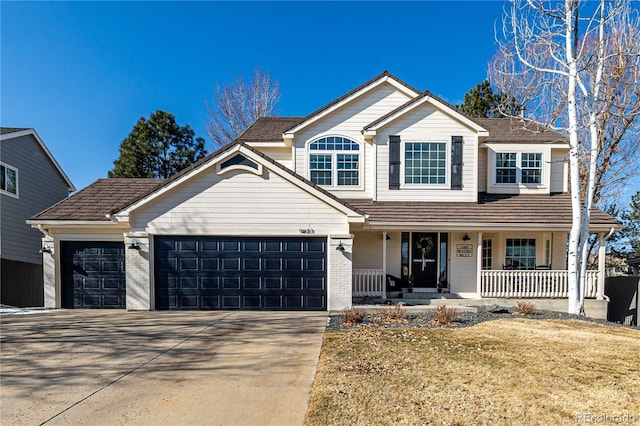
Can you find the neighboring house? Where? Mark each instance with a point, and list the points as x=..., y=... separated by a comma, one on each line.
x=310, y=212
x=30, y=181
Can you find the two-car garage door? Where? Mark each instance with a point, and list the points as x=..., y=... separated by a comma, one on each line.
x=240, y=273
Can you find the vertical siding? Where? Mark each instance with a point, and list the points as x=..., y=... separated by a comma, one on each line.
x=39, y=187
x=559, y=169
x=21, y=284
x=238, y=203
x=426, y=123
x=482, y=170
x=349, y=121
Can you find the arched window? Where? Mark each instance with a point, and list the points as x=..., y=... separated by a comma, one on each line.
x=334, y=161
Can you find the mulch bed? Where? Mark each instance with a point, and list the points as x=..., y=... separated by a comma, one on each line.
x=463, y=319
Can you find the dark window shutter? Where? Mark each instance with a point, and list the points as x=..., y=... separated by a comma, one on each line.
x=394, y=162
x=456, y=162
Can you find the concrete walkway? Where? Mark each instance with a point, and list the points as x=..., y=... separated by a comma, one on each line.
x=116, y=367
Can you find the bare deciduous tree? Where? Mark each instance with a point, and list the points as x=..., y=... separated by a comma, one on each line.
x=237, y=105
x=619, y=100
x=560, y=59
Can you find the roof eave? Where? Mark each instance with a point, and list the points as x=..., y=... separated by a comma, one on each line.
x=324, y=111
x=32, y=132
x=415, y=103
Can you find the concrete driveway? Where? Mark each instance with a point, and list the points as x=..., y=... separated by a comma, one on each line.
x=117, y=367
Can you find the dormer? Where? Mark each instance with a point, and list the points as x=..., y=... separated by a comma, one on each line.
x=522, y=157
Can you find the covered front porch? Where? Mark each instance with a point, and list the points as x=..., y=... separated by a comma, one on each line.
x=468, y=265
x=493, y=283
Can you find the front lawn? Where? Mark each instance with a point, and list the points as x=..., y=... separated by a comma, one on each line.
x=507, y=371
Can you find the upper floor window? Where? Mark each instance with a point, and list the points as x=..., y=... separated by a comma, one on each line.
x=425, y=163
x=529, y=172
x=8, y=180
x=334, y=161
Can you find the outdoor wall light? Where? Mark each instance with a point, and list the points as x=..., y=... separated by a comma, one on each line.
x=340, y=247
x=45, y=250
x=135, y=245
x=466, y=237
x=388, y=237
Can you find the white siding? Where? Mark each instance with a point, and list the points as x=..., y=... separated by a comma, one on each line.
x=559, y=176
x=238, y=203
x=281, y=155
x=482, y=170
x=426, y=123
x=349, y=121
x=462, y=270
x=543, y=188
x=559, y=250
x=367, y=253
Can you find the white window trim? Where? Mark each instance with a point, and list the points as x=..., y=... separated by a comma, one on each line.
x=518, y=182
x=539, y=241
x=447, y=176
x=334, y=163
x=11, y=194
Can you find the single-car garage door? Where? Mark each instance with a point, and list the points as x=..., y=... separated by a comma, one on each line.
x=240, y=273
x=93, y=274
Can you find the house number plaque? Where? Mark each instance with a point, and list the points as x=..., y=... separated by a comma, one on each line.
x=464, y=250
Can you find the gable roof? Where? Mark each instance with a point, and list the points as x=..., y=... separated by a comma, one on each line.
x=506, y=130
x=219, y=155
x=425, y=97
x=97, y=200
x=385, y=76
x=7, y=130
x=107, y=197
x=7, y=133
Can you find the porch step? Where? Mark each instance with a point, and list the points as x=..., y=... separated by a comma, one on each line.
x=429, y=295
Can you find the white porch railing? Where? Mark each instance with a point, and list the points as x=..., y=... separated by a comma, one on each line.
x=533, y=284
x=368, y=282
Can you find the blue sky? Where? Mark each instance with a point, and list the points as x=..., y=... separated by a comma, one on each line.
x=82, y=73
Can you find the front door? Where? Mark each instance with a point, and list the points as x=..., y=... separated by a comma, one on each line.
x=424, y=253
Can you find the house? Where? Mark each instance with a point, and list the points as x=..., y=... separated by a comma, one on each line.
x=30, y=181
x=310, y=212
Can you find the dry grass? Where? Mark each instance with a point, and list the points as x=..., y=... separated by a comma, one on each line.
x=443, y=315
x=353, y=316
x=503, y=372
x=524, y=308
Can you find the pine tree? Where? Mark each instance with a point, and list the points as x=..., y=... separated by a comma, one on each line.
x=157, y=148
x=482, y=102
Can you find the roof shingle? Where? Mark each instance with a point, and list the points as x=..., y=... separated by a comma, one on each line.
x=269, y=129
x=490, y=208
x=102, y=197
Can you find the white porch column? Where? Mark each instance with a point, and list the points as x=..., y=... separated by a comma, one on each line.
x=138, y=272
x=602, y=251
x=384, y=265
x=479, y=266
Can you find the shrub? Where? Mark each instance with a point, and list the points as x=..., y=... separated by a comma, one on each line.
x=392, y=315
x=353, y=316
x=524, y=308
x=443, y=315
